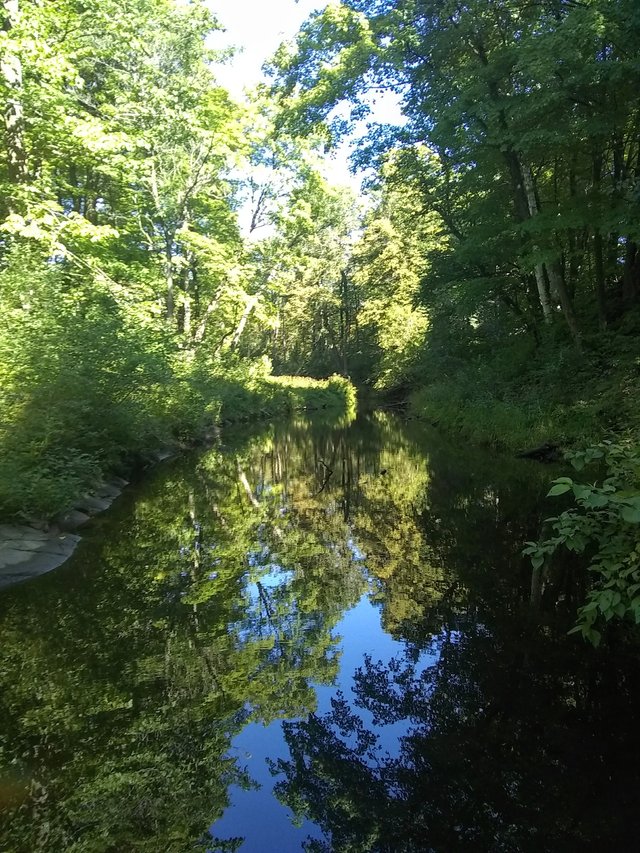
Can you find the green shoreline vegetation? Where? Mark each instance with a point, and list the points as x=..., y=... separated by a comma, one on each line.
x=518, y=396
x=490, y=273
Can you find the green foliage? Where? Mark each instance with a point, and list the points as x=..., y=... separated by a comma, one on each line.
x=391, y=328
x=297, y=392
x=506, y=207
x=125, y=288
x=605, y=527
x=80, y=373
x=495, y=273
x=302, y=272
x=514, y=395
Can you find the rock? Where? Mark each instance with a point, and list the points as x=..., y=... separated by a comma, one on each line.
x=13, y=556
x=108, y=490
x=547, y=452
x=42, y=524
x=42, y=563
x=25, y=544
x=92, y=504
x=118, y=482
x=15, y=531
x=29, y=555
x=163, y=453
x=63, y=546
x=72, y=519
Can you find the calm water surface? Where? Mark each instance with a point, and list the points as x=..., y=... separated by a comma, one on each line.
x=322, y=638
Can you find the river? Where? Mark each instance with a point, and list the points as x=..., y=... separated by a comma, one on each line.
x=320, y=637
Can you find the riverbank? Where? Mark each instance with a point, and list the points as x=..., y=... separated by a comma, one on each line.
x=42, y=480
x=41, y=544
x=519, y=396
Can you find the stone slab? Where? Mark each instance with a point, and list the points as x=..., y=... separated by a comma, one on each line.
x=92, y=504
x=108, y=490
x=13, y=556
x=72, y=519
x=23, y=544
x=20, y=531
x=119, y=482
x=27, y=550
x=20, y=563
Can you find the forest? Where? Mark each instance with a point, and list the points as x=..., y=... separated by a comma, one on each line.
x=488, y=275
x=383, y=593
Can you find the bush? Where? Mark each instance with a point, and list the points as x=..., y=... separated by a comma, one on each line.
x=604, y=526
x=516, y=396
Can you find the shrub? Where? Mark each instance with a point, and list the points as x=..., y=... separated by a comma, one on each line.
x=604, y=525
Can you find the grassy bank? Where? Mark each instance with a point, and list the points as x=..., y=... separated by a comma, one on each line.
x=519, y=396
x=274, y=395
x=74, y=432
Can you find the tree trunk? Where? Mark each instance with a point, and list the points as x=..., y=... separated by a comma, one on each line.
x=344, y=320
x=168, y=272
x=541, y=283
x=202, y=325
x=543, y=295
x=517, y=185
x=558, y=286
x=190, y=284
x=631, y=272
x=275, y=337
x=598, y=248
x=186, y=318
x=242, y=478
x=252, y=301
x=601, y=297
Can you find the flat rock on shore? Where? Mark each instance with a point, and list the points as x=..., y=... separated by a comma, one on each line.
x=26, y=552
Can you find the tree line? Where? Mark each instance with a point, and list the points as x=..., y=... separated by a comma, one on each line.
x=491, y=263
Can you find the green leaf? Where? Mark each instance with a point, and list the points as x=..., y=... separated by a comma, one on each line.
x=595, y=499
x=558, y=489
x=631, y=514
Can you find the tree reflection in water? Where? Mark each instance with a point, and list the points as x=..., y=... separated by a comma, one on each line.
x=514, y=738
x=213, y=597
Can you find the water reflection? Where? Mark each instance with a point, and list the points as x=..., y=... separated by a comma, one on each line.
x=497, y=754
x=361, y=583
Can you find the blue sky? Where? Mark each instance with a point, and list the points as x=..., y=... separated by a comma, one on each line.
x=258, y=27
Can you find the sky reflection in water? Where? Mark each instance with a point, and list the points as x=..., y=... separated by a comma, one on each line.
x=242, y=639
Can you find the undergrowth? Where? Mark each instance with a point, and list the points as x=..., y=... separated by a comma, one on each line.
x=69, y=434
x=518, y=396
